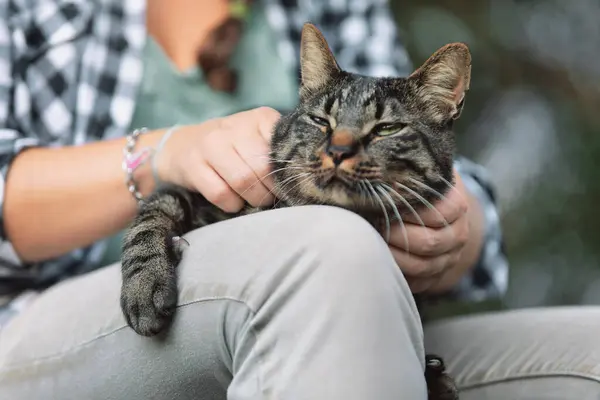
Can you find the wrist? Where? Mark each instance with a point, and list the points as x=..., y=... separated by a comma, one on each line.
x=159, y=171
x=143, y=176
x=162, y=167
x=169, y=147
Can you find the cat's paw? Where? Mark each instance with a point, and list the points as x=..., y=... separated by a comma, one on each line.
x=440, y=386
x=148, y=303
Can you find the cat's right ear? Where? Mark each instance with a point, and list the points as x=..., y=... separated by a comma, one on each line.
x=318, y=66
x=443, y=80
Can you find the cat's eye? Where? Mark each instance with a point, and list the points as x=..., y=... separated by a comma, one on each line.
x=388, y=129
x=318, y=120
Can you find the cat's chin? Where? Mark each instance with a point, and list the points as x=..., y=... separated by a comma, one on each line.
x=341, y=193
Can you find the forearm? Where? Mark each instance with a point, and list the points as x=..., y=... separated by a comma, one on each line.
x=60, y=199
x=471, y=251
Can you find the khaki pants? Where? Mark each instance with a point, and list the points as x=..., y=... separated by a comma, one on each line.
x=301, y=303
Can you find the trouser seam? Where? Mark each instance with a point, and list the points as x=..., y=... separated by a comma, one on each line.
x=82, y=345
x=567, y=373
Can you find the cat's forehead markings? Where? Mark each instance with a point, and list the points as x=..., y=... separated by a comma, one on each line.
x=346, y=92
x=332, y=109
x=370, y=108
x=379, y=109
x=327, y=104
x=335, y=107
x=392, y=108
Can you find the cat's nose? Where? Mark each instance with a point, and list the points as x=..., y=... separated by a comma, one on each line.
x=340, y=153
x=341, y=146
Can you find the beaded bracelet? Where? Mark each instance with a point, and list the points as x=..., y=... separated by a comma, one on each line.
x=132, y=161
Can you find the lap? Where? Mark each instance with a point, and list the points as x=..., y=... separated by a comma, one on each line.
x=549, y=353
x=73, y=339
x=75, y=333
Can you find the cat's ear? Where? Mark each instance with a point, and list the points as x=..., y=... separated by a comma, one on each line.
x=318, y=66
x=443, y=80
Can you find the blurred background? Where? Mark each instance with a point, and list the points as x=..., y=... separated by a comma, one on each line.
x=532, y=117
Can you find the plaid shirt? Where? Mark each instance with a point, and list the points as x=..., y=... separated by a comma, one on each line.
x=70, y=71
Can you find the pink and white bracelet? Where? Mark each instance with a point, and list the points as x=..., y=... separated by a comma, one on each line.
x=132, y=161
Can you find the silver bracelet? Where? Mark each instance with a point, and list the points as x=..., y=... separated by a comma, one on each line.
x=132, y=161
x=159, y=147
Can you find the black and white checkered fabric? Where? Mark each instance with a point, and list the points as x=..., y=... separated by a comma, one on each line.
x=70, y=70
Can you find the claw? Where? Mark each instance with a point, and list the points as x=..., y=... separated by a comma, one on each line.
x=178, y=239
x=435, y=363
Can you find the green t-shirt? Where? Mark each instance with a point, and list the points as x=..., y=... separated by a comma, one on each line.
x=169, y=97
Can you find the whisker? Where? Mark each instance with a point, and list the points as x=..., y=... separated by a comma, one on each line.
x=451, y=186
x=281, y=189
x=362, y=191
x=406, y=203
x=385, y=214
x=425, y=202
x=395, y=209
x=428, y=188
x=290, y=179
x=269, y=158
x=365, y=191
x=278, y=160
x=410, y=208
x=299, y=181
x=260, y=179
x=285, y=161
x=286, y=180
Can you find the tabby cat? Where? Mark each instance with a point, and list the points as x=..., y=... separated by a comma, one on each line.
x=380, y=147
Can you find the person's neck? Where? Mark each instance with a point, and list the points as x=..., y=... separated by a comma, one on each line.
x=181, y=27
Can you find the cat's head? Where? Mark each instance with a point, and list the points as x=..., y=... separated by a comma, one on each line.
x=362, y=142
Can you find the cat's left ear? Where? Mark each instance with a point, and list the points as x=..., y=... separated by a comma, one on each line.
x=442, y=81
x=318, y=66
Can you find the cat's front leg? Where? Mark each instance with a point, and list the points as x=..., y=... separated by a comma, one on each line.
x=149, y=260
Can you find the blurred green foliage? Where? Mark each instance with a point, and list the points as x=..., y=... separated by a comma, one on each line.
x=532, y=117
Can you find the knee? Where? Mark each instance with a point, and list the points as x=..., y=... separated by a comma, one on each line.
x=345, y=247
x=344, y=265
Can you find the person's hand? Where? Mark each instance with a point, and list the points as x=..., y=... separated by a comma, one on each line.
x=434, y=249
x=225, y=159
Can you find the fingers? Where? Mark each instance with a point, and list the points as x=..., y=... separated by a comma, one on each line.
x=423, y=267
x=429, y=242
x=254, y=152
x=419, y=285
x=446, y=210
x=233, y=153
x=240, y=177
x=261, y=118
x=423, y=274
x=216, y=190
